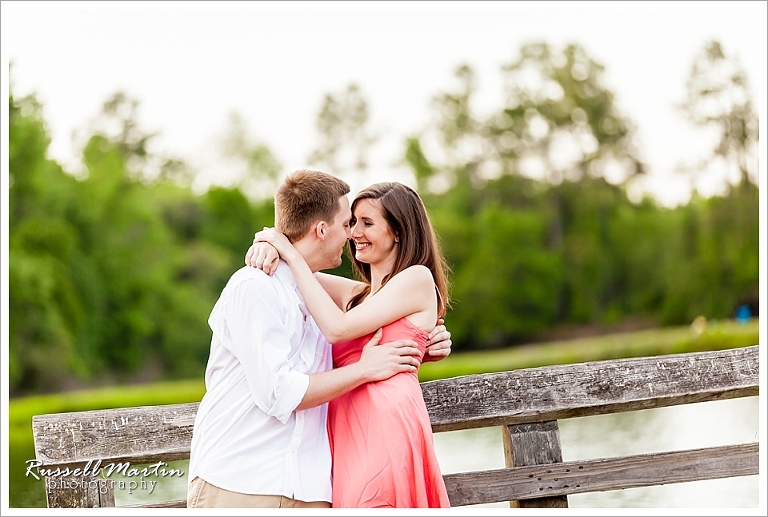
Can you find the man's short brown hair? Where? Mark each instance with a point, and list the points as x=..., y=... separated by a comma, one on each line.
x=305, y=197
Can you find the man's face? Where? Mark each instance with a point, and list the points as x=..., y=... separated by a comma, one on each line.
x=337, y=235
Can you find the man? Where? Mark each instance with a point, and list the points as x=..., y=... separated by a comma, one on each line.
x=260, y=437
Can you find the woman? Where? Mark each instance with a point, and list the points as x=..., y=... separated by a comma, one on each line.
x=381, y=436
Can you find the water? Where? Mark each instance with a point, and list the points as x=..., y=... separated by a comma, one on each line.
x=691, y=426
x=654, y=430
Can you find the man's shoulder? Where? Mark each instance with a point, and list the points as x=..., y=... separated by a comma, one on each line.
x=248, y=273
x=280, y=279
x=249, y=282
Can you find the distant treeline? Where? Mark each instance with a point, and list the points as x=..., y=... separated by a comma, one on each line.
x=114, y=271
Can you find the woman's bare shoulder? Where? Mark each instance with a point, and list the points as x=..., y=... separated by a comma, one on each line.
x=416, y=276
x=419, y=271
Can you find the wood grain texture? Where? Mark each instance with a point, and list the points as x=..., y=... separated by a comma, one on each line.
x=575, y=477
x=138, y=435
x=593, y=388
x=537, y=443
x=78, y=492
x=528, y=401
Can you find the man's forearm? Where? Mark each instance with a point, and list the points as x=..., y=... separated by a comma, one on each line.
x=326, y=386
x=376, y=364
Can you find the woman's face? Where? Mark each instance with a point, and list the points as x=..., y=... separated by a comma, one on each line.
x=373, y=239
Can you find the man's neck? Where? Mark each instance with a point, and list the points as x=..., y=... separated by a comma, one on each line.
x=308, y=253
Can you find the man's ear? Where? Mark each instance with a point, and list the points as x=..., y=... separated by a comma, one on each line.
x=320, y=229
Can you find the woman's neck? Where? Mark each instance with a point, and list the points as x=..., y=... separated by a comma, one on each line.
x=378, y=273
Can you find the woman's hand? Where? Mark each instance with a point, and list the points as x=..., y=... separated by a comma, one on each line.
x=264, y=253
x=279, y=241
x=264, y=256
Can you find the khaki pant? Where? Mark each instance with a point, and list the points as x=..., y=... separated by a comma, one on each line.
x=204, y=495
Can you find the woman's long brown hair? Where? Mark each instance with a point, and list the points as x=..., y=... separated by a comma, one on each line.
x=408, y=220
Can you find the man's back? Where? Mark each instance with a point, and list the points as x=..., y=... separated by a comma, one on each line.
x=247, y=436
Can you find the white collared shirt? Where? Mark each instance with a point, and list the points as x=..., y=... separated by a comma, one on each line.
x=247, y=437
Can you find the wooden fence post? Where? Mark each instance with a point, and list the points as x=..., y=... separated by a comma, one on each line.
x=536, y=443
x=79, y=492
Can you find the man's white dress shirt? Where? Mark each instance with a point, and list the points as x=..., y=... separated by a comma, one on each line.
x=247, y=437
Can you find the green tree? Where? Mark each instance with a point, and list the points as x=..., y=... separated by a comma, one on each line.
x=47, y=313
x=345, y=137
x=513, y=272
x=257, y=168
x=557, y=122
x=558, y=152
x=718, y=97
x=722, y=267
x=102, y=268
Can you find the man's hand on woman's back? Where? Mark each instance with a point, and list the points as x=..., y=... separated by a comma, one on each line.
x=382, y=361
x=439, y=344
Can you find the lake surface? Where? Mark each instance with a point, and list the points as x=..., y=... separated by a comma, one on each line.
x=689, y=426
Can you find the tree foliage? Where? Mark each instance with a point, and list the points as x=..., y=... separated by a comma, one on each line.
x=558, y=154
x=718, y=98
x=116, y=271
x=257, y=168
x=113, y=272
x=345, y=137
x=556, y=122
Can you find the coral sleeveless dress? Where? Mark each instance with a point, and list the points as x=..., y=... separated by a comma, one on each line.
x=381, y=436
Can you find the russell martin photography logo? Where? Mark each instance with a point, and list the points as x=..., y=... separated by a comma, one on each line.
x=88, y=476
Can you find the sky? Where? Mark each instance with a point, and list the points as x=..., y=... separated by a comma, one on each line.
x=191, y=64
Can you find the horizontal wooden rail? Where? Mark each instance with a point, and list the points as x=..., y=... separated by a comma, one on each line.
x=593, y=388
x=144, y=434
x=534, y=396
x=576, y=477
x=163, y=433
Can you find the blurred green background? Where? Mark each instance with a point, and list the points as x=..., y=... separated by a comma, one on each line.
x=113, y=271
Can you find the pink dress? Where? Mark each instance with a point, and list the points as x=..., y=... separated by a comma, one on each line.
x=381, y=436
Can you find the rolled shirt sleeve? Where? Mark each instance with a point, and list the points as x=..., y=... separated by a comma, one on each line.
x=262, y=340
x=263, y=350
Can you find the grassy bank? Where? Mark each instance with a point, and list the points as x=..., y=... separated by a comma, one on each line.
x=716, y=335
x=674, y=340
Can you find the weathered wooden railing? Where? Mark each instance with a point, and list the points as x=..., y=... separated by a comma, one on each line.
x=525, y=403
